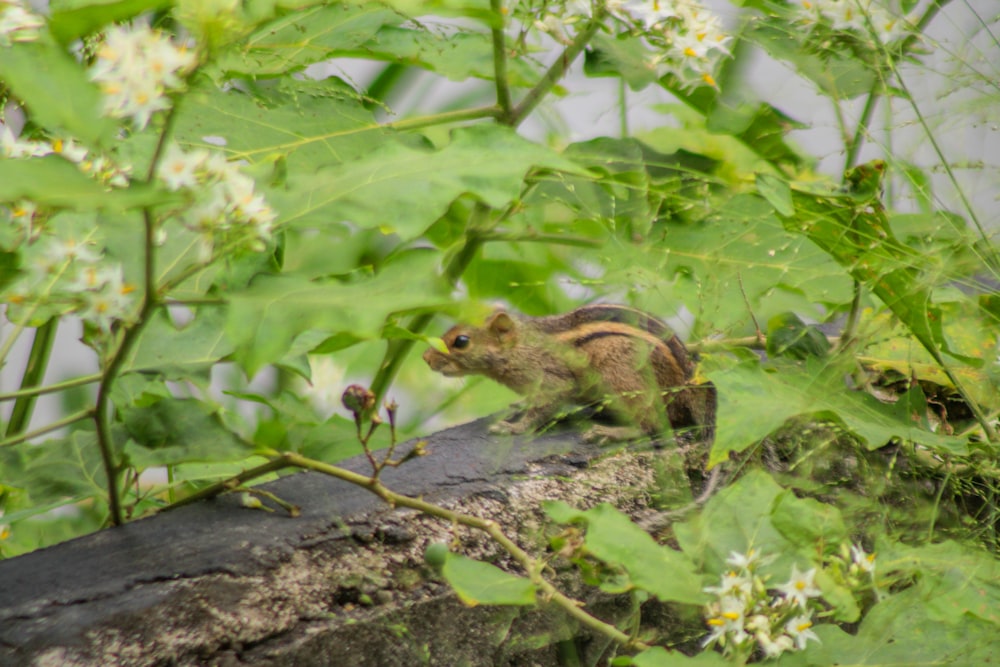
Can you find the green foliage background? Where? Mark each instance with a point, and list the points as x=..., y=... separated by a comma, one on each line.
x=391, y=212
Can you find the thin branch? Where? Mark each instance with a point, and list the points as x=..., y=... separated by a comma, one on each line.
x=48, y=428
x=556, y=71
x=130, y=334
x=445, y=118
x=51, y=388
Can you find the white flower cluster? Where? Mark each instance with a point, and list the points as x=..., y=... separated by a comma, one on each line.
x=748, y=616
x=858, y=18
x=98, y=167
x=135, y=68
x=18, y=23
x=225, y=209
x=70, y=276
x=685, y=39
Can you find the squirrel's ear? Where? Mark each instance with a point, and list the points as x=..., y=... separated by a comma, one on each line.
x=500, y=323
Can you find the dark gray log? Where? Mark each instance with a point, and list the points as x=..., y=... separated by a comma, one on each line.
x=343, y=584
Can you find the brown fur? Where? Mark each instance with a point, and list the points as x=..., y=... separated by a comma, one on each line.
x=615, y=356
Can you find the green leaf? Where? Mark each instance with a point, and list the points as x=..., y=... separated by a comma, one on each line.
x=179, y=430
x=181, y=352
x=777, y=192
x=478, y=583
x=309, y=124
x=789, y=336
x=53, y=181
x=753, y=403
x=807, y=522
x=661, y=657
x=621, y=55
x=838, y=73
x=737, y=519
x=63, y=468
x=265, y=319
x=291, y=42
x=906, y=629
x=72, y=19
x=404, y=189
x=55, y=89
x=455, y=55
x=614, y=539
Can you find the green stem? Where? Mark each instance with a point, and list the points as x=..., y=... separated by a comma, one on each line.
x=398, y=349
x=445, y=118
x=51, y=388
x=131, y=334
x=34, y=373
x=622, y=108
x=48, y=428
x=556, y=71
x=854, y=146
x=500, y=60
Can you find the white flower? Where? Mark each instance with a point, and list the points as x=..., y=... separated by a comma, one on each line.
x=12, y=147
x=95, y=277
x=728, y=623
x=800, y=587
x=177, y=169
x=743, y=562
x=864, y=562
x=732, y=584
x=70, y=150
x=774, y=647
x=646, y=12
x=65, y=250
x=17, y=24
x=799, y=630
x=135, y=67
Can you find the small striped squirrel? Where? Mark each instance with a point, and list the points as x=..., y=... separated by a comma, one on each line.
x=603, y=354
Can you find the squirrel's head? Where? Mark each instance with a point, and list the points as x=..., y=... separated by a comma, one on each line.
x=472, y=349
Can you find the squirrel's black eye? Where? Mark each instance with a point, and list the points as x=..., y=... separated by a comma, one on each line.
x=461, y=342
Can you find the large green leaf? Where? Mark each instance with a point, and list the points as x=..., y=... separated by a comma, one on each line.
x=58, y=469
x=614, y=539
x=948, y=617
x=404, y=189
x=836, y=72
x=265, y=319
x=737, y=519
x=55, y=89
x=291, y=42
x=754, y=402
x=53, y=181
x=72, y=19
x=661, y=657
x=740, y=252
x=308, y=124
x=181, y=352
x=478, y=583
x=457, y=55
x=175, y=430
